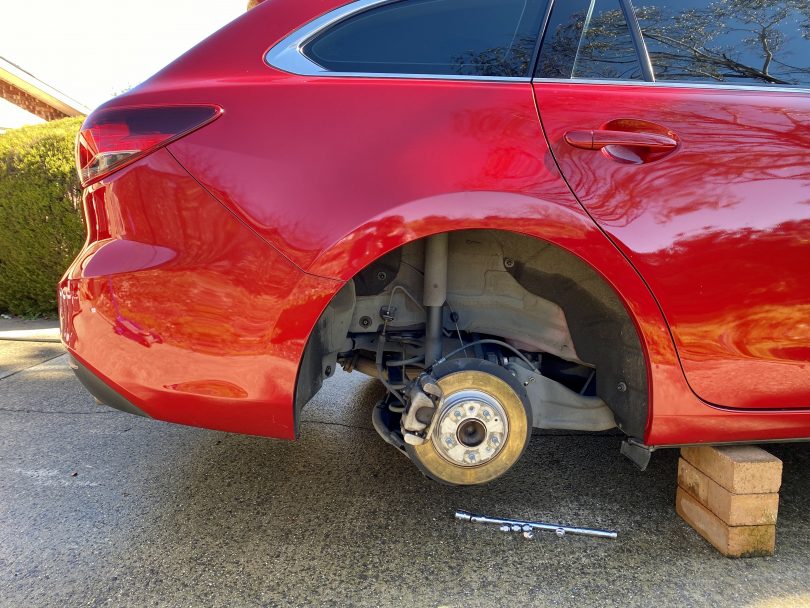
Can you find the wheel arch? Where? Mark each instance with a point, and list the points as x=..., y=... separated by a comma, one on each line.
x=568, y=232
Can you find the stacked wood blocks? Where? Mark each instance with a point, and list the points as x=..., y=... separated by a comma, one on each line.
x=730, y=496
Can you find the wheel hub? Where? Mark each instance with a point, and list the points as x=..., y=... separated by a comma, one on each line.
x=471, y=428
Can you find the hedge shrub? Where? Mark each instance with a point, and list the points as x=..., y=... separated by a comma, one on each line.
x=41, y=226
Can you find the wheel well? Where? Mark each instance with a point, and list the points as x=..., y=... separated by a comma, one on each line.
x=531, y=293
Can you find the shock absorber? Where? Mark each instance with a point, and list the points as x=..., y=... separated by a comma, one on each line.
x=435, y=294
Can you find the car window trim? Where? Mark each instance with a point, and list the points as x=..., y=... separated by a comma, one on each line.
x=673, y=84
x=638, y=40
x=288, y=55
x=540, y=35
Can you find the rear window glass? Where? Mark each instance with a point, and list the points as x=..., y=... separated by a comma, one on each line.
x=445, y=37
x=728, y=41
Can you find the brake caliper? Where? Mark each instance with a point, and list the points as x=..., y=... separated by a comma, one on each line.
x=424, y=398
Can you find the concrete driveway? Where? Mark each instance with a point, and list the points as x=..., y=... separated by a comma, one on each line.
x=103, y=508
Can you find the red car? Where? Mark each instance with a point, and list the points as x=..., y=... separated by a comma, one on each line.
x=516, y=214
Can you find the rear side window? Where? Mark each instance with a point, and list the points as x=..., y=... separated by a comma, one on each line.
x=445, y=37
x=588, y=39
x=728, y=41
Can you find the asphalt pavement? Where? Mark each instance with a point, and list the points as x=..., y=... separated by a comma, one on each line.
x=101, y=508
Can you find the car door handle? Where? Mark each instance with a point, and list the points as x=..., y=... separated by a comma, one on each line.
x=600, y=138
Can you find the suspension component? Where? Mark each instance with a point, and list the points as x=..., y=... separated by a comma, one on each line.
x=435, y=294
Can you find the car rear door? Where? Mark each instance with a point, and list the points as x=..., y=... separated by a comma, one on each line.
x=701, y=178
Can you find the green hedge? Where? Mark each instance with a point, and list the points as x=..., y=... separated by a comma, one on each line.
x=41, y=227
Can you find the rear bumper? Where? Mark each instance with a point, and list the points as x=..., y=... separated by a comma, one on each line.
x=175, y=310
x=102, y=392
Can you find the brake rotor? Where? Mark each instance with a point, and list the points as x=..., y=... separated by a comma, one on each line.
x=481, y=428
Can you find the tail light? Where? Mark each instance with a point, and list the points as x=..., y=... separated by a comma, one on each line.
x=112, y=138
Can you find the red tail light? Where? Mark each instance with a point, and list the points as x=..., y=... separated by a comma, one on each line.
x=114, y=137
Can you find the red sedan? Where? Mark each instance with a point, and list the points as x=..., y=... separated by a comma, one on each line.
x=517, y=214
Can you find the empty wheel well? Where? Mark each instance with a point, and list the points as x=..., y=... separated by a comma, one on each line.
x=532, y=294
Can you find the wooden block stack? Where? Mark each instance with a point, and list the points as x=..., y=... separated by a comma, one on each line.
x=730, y=496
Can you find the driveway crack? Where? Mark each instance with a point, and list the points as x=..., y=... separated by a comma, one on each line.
x=346, y=426
x=14, y=411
